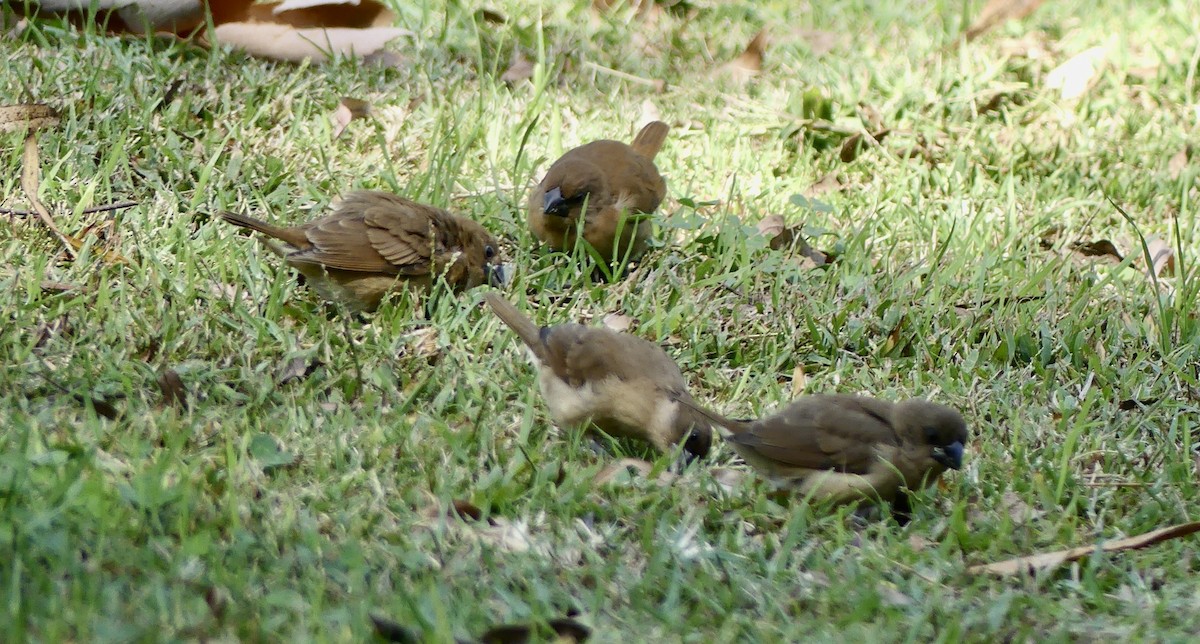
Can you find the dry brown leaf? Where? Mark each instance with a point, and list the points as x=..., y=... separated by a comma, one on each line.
x=27, y=117
x=1178, y=162
x=1048, y=560
x=520, y=69
x=423, y=343
x=31, y=117
x=1162, y=258
x=322, y=14
x=288, y=43
x=853, y=146
x=297, y=368
x=465, y=510
x=998, y=11
x=347, y=110
x=829, y=182
x=1098, y=248
x=565, y=630
x=174, y=393
x=621, y=467
x=618, y=322
x=390, y=630
x=783, y=236
x=799, y=380
x=749, y=63
x=491, y=16
x=1076, y=74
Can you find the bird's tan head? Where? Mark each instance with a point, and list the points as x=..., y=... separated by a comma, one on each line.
x=569, y=184
x=937, y=429
x=476, y=258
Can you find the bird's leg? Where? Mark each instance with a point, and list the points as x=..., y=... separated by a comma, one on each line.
x=902, y=508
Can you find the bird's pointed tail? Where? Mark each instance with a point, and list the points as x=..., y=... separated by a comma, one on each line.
x=650, y=140
x=525, y=329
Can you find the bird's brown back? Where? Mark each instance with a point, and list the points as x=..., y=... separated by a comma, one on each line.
x=834, y=432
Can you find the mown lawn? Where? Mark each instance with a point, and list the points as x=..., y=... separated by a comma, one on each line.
x=304, y=486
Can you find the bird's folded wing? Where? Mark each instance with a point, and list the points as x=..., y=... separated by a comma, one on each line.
x=829, y=437
x=341, y=242
x=406, y=238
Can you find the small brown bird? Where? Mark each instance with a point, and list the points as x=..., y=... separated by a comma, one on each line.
x=619, y=186
x=375, y=242
x=626, y=386
x=845, y=448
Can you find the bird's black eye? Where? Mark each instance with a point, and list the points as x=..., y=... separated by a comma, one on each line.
x=489, y=252
x=931, y=434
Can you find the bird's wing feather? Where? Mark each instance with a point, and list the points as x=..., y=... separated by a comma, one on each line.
x=816, y=434
x=340, y=241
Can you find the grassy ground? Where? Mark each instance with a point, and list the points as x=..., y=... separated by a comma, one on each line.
x=291, y=511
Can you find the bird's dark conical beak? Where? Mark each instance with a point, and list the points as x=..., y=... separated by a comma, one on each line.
x=554, y=204
x=950, y=455
x=495, y=274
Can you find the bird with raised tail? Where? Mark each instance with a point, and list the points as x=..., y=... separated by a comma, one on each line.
x=376, y=242
x=842, y=448
x=604, y=191
x=627, y=387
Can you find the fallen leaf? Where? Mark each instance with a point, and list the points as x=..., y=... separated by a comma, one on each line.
x=618, y=322
x=749, y=63
x=465, y=510
x=1098, y=248
x=423, y=344
x=347, y=110
x=287, y=43
x=491, y=15
x=391, y=631
x=799, y=380
x=386, y=59
x=1075, y=75
x=829, y=182
x=621, y=467
x=1045, y=561
x=521, y=68
x=1162, y=258
x=305, y=14
x=1178, y=162
x=269, y=453
x=853, y=146
x=564, y=630
x=100, y=405
x=27, y=117
x=998, y=11
x=174, y=394
x=217, y=599
x=297, y=368
x=783, y=236
x=1017, y=509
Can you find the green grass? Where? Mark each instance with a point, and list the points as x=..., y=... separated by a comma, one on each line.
x=292, y=511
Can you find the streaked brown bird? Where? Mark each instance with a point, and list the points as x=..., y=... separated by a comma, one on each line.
x=606, y=189
x=842, y=448
x=376, y=242
x=626, y=386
